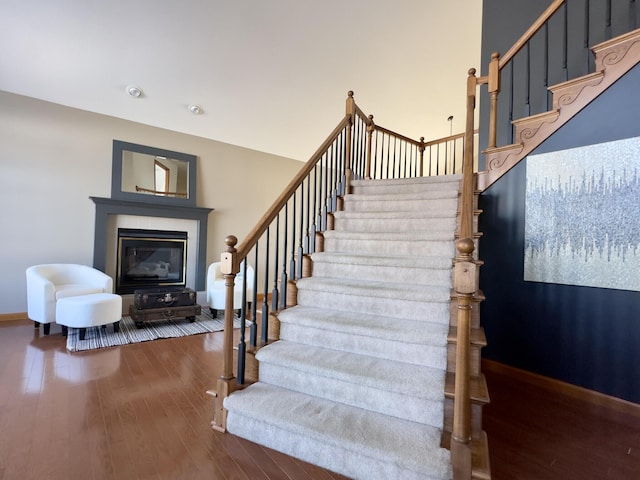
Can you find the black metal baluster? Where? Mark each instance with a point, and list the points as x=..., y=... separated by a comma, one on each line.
x=388, y=148
x=363, y=147
x=274, y=293
x=325, y=173
x=414, y=166
x=527, y=79
x=547, y=96
x=565, y=41
x=254, y=326
x=283, y=275
x=585, y=36
x=296, y=266
x=242, y=345
x=334, y=177
x=375, y=156
x=302, y=241
x=510, y=124
x=607, y=26
x=265, y=298
x=393, y=167
x=355, y=149
x=340, y=164
x=306, y=246
x=446, y=156
x=343, y=149
x=312, y=232
x=406, y=157
x=294, y=230
x=453, y=155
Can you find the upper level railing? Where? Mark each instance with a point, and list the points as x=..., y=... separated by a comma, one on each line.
x=280, y=245
x=554, y=49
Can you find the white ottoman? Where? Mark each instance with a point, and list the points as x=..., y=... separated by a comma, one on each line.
x=83, y=311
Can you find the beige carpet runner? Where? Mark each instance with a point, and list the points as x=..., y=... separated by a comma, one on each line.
x=356, y=382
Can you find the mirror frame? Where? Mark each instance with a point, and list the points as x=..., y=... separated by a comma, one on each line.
x=116, y=175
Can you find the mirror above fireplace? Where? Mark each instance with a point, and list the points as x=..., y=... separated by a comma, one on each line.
x=152, y=175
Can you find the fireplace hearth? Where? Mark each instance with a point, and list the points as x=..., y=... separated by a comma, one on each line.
x=150, y=258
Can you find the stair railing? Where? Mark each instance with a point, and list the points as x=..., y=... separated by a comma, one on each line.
x=280, y=245
x=548, y=40
x=392, y=155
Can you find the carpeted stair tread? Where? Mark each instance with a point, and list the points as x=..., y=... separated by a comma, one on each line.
x=358, y=380
x=421, y=302
x=393, y=376
x=392, y=195
x=427, y=262
x=414, y=340
x=403, y=269
x=392, y=223
x=377, y=289
x=400, y=214
x=411, y=236
x=431, y=180
x=376, y=326
x=291, y=421
x=380, y=203
x=434, y=182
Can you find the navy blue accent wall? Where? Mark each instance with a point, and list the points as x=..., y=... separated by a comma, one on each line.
x=586, y=336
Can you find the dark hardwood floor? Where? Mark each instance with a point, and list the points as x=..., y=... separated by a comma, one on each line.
x=132, y=412
x=140, y=412
x=538, y=433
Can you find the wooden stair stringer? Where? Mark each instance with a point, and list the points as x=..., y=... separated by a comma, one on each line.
x=613, y=59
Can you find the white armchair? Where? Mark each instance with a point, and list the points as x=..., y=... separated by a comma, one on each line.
x=216, y=291
x=46, y=284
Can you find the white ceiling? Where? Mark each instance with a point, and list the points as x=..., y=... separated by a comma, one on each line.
x=271, y=75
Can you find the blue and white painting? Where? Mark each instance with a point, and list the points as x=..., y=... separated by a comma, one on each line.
x=582, y=216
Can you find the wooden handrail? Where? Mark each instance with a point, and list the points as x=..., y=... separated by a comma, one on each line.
x=397, y=135
x=366, y=119
x=449, y=138
x=531, y=31
x=457, y=136
x=249, y=241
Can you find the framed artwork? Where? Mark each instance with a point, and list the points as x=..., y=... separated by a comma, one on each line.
x=582, y=216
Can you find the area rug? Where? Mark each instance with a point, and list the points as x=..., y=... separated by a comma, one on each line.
x=97, y=337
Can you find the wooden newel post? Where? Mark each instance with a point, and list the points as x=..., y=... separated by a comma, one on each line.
x=370, y=128
x=465, y=286
x=350, y=112
x=494, y=90
x=227, y=383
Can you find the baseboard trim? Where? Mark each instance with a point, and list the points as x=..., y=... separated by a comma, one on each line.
x=558, y=386
x=11, y=317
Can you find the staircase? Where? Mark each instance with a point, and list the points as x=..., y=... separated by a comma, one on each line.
x=364, y=379
x=355, y=384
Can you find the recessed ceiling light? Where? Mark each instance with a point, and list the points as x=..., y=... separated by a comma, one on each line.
x=196, y=109
x=134, y=91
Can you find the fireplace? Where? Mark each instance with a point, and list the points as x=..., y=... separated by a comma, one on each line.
x=150, y=258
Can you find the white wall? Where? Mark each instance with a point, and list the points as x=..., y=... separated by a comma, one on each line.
x=53, y=158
